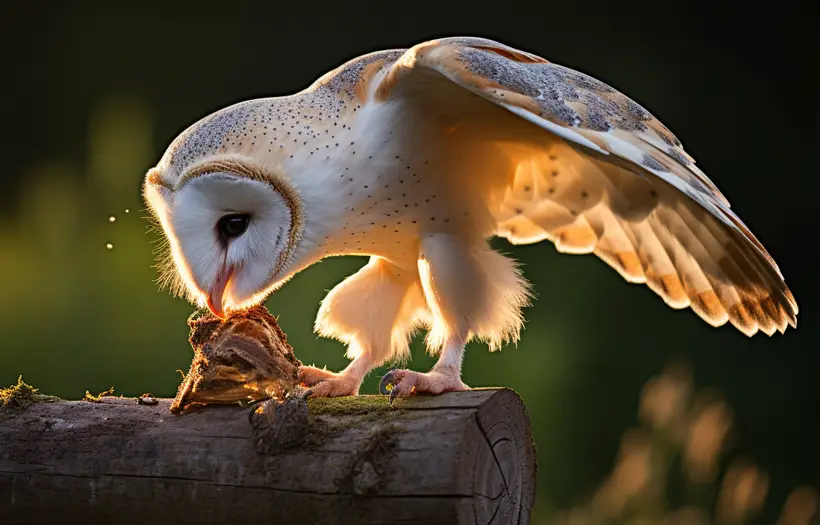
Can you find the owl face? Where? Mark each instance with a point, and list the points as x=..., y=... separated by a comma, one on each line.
x=229, y=234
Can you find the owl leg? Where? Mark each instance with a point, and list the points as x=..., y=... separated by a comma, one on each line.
x=471, y=291
x=374, y=311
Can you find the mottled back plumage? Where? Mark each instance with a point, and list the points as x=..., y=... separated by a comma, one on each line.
x=701, y=256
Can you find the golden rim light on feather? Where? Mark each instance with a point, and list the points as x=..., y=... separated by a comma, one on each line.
x=712, y=262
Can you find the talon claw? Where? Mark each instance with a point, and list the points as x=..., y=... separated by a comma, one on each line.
x=393, y=395
x=386, y=385
x=253, y=406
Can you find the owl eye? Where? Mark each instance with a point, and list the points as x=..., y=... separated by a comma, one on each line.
x=233, y=225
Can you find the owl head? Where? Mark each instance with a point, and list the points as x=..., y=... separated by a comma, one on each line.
x=231, y=228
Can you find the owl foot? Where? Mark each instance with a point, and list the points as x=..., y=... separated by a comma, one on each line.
x=324, y=383
x=402, y=383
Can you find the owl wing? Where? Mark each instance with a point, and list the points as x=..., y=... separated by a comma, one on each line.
x=616, y=182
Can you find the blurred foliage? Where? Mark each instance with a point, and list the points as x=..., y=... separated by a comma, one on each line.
x=676, y=467
x=77, y=316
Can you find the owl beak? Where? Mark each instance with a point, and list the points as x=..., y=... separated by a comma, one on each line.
x=217, y=293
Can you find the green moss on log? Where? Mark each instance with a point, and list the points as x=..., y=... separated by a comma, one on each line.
x=18, y=397
x=331, y=416
x=96, y=399
x=348, y=405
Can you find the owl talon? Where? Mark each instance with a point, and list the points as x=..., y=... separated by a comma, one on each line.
x=404, y=383
x=388, y=383
x=393, y=395
x=392, y=386
x=323, y=383
x=253, y=406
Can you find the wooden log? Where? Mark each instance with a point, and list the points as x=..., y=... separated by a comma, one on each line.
x=464, y=457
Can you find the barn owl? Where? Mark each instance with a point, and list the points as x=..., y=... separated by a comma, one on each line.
x=416, y=158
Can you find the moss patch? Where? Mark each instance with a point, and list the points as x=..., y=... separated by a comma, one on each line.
x=330, y=417
x=349, y=405
x=18, y=397
x=96, y=399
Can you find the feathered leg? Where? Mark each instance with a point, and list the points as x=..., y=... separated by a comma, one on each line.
x=471, y=292
x=374, y=312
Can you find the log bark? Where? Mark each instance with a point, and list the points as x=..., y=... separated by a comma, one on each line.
x=464, y=457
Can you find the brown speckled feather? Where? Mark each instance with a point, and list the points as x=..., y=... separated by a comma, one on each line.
x=611, y=179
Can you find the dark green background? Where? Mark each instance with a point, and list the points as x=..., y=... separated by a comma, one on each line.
x=92, y=96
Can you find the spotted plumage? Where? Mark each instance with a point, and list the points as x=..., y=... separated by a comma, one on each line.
x=415, y=158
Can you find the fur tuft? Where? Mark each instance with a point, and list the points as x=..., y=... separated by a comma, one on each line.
x=472, y=292
x=510, y=293
x=169, y=278
x=376, y=309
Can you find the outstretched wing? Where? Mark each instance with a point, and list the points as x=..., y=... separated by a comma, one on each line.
x=612, y=180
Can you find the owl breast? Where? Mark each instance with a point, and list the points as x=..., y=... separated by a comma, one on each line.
x=406, y=189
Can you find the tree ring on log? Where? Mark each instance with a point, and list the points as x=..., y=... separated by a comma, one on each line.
x=503, y=488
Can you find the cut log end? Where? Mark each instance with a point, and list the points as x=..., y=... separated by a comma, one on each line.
x=504, y=468
x=463, y=457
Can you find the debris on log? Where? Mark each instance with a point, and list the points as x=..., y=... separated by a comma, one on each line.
x=243, y=358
